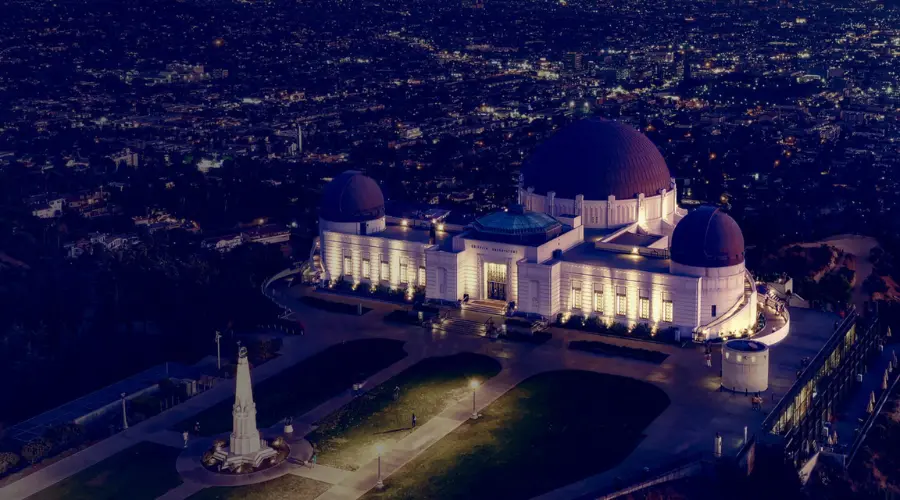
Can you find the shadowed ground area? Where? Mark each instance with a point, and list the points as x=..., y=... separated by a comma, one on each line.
x=551, y=430
x=304, y=386
x=144, y=471
x=346, y=439
x=286, y=487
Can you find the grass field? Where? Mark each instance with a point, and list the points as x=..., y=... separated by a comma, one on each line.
x=346, y=439
x=144, y=471
x=304, y=386
x=286, y=487
x=551, y=430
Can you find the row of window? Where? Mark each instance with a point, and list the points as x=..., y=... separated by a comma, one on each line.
x=385, y=274
x=621, y=304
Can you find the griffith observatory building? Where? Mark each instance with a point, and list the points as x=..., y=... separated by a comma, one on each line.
x=597, y=231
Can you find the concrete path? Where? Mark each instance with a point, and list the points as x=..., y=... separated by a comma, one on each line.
x=167, y=438
x=321, y=473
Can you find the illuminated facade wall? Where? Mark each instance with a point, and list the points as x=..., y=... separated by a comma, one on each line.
x=616, y=295
x=649, y=210
x=395, y=263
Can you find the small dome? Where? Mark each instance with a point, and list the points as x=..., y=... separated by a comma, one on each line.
x=518, y=224
x=707, y=237
x=597, y=158
x=352, y=197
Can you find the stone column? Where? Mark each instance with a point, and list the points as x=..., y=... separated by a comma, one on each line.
x=551, y=201
x=579, y=207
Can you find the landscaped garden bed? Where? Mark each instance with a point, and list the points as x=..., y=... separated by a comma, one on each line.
x=622, y=351
x=379, y=292
x=551, y=430
x=305, y=385
x=640, y=331
x=346, y=439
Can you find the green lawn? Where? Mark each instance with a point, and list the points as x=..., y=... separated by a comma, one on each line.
x=304, y=386
x=551, y=430
x=347, y=438
x=144, y=471
x=286, y=487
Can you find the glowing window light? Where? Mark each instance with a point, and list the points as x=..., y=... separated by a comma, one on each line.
x=598, y=301
x=366, y=269
x=621, y=304
x=348, y=265
x=645, y=308
x=667, y=310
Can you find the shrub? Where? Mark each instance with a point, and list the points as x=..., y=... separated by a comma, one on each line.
x=594, y=324
x=575, y=321
x=559, y=317
x=642, y=330
x=36, y=449
x=208, y=458
x=219, y=443
x=668, y=333
x=618, y=329
x=8, y=460
x=65, y=436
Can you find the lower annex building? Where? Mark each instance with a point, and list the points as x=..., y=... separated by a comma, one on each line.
x=597, y=231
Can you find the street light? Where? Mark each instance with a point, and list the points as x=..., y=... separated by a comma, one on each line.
x=124, y=415
x=218, y=351
x=474, y=385
x=379, y=448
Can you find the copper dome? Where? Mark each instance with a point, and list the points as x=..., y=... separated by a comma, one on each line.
x=707, y=237
x=352, y=197
x=597, y=158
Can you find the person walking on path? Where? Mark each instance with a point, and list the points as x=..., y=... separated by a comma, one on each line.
x=708, y=360
x=396, y=392
x=197, y=428
x=185, y=435
x=413, y=420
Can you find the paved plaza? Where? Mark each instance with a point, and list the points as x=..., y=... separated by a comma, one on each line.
x=697, y=411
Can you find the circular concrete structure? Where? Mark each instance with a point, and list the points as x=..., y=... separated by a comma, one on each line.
x=745, y=366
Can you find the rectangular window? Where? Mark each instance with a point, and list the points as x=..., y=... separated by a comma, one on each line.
x=422, y=276
x=621, y=304
x=645, y=308
x=385, y=271
x=367, y=269
x=598, y=300
x=348, y=265
x=667, y=311
x=576, y=294
x=404, y=278
x=713, y=311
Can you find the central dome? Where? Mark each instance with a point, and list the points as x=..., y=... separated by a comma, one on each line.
x=352, y=197
x=707, y=237
x=517, y=224
x=597, y=158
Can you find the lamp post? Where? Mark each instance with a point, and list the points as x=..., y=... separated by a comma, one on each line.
x=474, y=385
x=379, y=448
x=218, y=351
x=124, y=415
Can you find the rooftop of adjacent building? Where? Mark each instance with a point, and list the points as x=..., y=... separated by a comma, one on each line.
x=587, y=253
x=418, y=234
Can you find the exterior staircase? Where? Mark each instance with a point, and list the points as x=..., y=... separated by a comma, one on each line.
x=497, y=307
x=461, y=326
